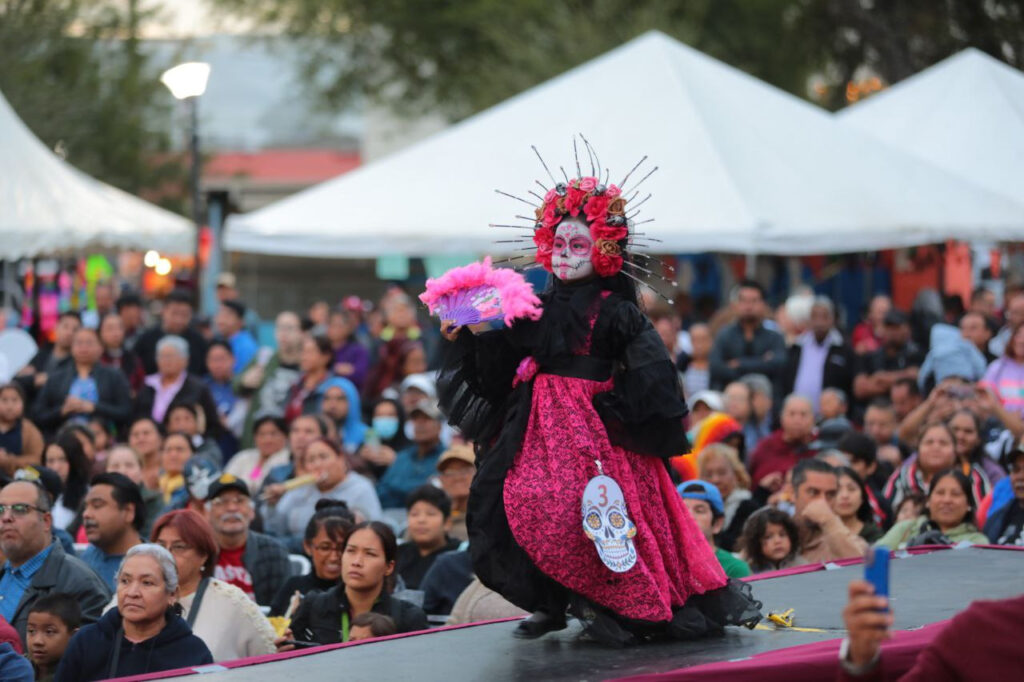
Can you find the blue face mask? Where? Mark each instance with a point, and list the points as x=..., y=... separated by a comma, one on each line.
x=385, y=427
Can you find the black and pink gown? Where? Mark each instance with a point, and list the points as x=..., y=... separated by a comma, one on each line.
x=543, y=400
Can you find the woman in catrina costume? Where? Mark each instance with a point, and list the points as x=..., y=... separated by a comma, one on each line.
x=572, y=509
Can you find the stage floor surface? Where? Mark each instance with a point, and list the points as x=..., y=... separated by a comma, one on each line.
x=925, y=588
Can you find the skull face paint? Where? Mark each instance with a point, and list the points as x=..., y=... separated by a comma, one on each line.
x=571, y=251
x=606, y=522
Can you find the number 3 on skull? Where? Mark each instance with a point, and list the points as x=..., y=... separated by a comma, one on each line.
x=604, y=495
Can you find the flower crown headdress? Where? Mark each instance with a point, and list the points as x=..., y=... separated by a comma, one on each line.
x=602, y=205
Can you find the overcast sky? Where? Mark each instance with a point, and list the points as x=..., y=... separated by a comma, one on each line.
x=187, y=18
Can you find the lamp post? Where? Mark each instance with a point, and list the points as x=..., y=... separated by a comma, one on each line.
x=187, y=82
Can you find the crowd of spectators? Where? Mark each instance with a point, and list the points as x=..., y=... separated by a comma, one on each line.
x=164, y=481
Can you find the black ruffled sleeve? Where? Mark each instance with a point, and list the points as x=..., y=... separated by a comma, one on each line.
x=644, y=411
x=476, y=379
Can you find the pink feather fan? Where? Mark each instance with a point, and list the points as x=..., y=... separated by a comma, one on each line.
x=479, y=293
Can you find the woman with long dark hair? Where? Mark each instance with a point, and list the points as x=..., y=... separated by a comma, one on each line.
x=368, y=578
x=67, y=457
x=854, y=507
x=948, y=518
x=306, y=393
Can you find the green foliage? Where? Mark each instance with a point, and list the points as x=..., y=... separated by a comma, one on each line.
x=74, y=73
x=461, y=56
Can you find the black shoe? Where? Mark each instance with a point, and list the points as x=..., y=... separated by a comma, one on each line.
x=606, y=631
x=538, y=625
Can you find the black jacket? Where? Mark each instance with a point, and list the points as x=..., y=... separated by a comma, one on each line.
x=63, y=573
x=114, y=404
x=764, y=354
x=192, y=392
x=840, y=366
x=145, y=348
x=90, y=654
x=318, y=618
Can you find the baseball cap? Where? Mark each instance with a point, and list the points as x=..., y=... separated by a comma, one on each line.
x=702, y=490
x=227, y=279
x=461, y=453
x=44, y=476
x=421, y=381
x=830, y=432
x=227, y=482
x=427, y=408
x=712, y=399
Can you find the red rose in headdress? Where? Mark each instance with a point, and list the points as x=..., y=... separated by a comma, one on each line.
x=613, y=191
x=596, y=208
x=551, y=216
x=552, y=195
x=544, y=239
x=607, y=264
x=574, y=201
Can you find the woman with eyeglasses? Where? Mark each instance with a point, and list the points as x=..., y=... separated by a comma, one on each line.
x=323, y=540
x=219, y=613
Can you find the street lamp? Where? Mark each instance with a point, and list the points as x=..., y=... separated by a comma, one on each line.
x=187, y=82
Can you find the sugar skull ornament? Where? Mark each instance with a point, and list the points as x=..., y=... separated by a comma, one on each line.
x=606, y=522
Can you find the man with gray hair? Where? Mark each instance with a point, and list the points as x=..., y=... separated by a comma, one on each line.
x=780, y=452
x=819, y=358
x=36, y=565
x=172, y=385
x=176, y=319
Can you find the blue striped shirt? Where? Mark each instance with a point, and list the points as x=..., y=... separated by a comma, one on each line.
x=16, y=580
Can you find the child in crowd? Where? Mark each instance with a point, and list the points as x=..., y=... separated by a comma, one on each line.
x=52, y=620
x=21, y=443
x=770, y=541
x=369, y=625
x=429, y=515
x=910, y=507
x=706, y=507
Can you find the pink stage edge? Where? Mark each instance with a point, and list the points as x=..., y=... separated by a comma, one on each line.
x=804, y=663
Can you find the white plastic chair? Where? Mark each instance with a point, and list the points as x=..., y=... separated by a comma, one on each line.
x=300, y=565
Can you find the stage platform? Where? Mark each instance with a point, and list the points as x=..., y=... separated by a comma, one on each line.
x=926, y=588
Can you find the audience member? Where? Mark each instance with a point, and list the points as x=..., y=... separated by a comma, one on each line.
x=271, y=450
x=854, y=507
x=175, y=452
x=703, y=404
x=124, y=460
x=37, y=566
x=175, y=320
x=823, y=535
x=50, y=357
x=861, y=451
x=129, y=307
x=83, y=387
x=950, y=355
x=268, y=378
x=351, y=359
x=974, y=328
x=21, y=443
x=905, y=396
x=867, y=335
x=912, y=506
x=428, y=518
x=935, y=452
x=414, y=465
x=780, y=451
x=218, y=612
x=324, y=542
x=719, y=464
x=147, y=589
x=880, y=424
x=820, y=358
x=747, y=346
x=370, y=625
x=173, y=385
x=230, y=409
x=113, y=516
x=1005, y=376
x=705, y=504
x=146, y=438
x=341, y=404
x=255, y=563
x=386, y=436
x=368, y=566
x=1005, y=524
x=770, y=541
x=762, y=399
x=948, y=518
x=1014, y=317
x=66, y=457
x=834, y=404
x=52, y=622
x=456, y=469
x=307, y=393
x=899, y=357
x=230, y=324
x=695, y=365
x=446, y=580
x=116, y=354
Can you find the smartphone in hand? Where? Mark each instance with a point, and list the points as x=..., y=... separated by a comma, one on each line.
x=876, y=570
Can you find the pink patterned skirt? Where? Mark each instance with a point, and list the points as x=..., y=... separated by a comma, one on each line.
x=543, y=492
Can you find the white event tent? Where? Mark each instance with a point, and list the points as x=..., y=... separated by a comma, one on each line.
x=964, y=114
x=744, y=167
x=47, y=206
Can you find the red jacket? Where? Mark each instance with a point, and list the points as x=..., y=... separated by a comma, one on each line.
x=981, y=643
x=775, y=454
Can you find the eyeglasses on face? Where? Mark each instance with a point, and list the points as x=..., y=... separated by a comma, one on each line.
x=175, y=547
x=19, y=509
x=327, y=548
